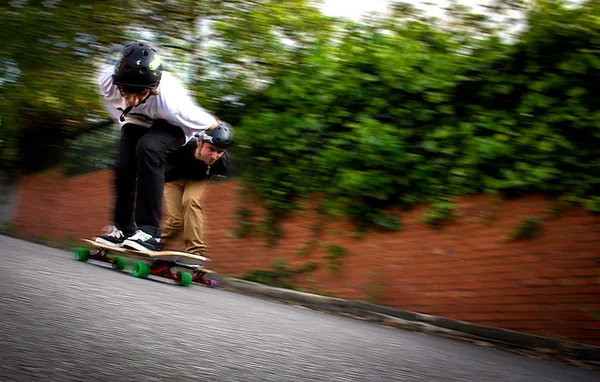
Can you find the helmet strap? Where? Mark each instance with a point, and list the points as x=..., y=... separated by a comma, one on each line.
x=128, y=109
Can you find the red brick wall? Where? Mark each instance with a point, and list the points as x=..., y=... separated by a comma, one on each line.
x=51, y=206
x=465, y=271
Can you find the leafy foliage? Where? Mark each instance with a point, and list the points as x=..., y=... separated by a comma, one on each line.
x=395, y=112
x=334, y=256
x=89, y=152
x=526, y=229
x=224, y=49
x=45, y=93
x=281, y=274
x=438, y=213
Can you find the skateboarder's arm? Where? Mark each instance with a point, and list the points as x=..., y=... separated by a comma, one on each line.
x=177, y=107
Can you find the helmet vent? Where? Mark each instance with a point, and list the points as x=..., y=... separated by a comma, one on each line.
x=127, y=68
x=145, y=53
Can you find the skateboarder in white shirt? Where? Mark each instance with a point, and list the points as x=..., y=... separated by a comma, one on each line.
x=157, y=116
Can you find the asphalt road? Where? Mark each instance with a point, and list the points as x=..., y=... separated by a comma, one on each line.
x=62, y=320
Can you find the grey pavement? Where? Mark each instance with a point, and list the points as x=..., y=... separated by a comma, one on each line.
x=63, y=320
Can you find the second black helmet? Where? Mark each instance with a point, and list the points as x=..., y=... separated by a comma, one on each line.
x=221, y=136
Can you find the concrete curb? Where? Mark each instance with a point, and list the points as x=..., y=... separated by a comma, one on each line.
x=507, y=339
x=572, y=352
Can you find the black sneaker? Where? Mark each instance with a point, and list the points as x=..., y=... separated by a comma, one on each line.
x=142, y=242
x=115, y=237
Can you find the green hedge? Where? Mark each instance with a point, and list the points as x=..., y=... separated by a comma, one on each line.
x=402, y=113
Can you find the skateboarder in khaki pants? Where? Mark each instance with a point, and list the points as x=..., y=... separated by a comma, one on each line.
x=187, y=174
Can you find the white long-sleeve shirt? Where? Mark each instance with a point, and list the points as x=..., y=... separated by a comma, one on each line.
x=173, y=104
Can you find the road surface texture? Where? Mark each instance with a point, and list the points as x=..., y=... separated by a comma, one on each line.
x=63, y=320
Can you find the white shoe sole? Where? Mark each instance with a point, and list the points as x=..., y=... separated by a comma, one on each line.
x=100, y=240
x=138, y=247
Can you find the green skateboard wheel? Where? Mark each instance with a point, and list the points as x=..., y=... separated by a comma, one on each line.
x=82, y=254
x=120, y=263
x=141, y=270
x=185, y=278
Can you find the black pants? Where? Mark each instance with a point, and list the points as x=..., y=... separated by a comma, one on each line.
x=140, y=175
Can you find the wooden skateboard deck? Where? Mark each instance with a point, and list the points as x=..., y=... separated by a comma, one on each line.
x=159, y=254
x=167, y=264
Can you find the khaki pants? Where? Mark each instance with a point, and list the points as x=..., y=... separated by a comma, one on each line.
x=183, y=199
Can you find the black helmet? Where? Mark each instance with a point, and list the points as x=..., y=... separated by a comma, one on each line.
x=221, y=136
x=139, y=66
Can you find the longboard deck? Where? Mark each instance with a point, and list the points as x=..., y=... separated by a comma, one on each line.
x=160, y=254
x=167, y=264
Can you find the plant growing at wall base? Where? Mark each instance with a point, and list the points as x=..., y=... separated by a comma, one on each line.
x=280, y=275
x=592, y=313
x=334, y=256
x=593, y=204
x=316, y=230
x=244, y=222
x=270, y=226
x=438, y=213
x=387, y=222
x=527, y=228
x=9, y=227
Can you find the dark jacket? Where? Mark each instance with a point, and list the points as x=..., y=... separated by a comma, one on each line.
x=182, y=164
